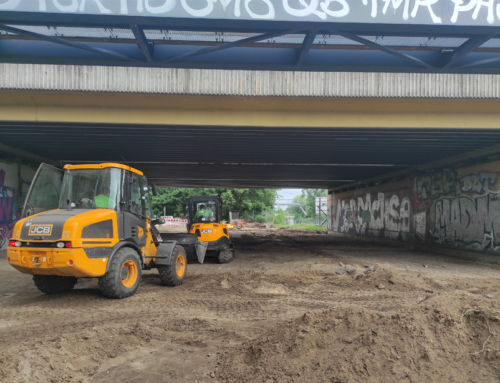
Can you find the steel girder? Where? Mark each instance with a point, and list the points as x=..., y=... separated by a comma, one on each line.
x=256, y=52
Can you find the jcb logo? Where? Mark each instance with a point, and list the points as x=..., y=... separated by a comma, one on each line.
x=140, y=232
x=40, y=229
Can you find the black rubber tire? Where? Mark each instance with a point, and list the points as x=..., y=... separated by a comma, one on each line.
x=111, y=285
x=226, y=256
x=53, y=284
x=168, y=273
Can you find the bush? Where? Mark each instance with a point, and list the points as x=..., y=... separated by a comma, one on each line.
x=260, y=218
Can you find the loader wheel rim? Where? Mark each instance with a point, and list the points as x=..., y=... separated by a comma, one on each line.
x=128, y=273
x=180, y=265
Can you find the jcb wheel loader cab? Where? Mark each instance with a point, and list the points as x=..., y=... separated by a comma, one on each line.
x=88, y=221
x=205, y=216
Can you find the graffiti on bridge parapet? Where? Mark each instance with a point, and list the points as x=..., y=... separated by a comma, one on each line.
x=421, y=12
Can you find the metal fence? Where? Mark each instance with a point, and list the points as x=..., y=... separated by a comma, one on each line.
x=309, y=221
x=267, y=218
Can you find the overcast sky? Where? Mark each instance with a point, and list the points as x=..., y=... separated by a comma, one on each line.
x=289, y=193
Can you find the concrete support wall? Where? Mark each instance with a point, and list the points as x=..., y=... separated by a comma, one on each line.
x=457, y=208
x=15, y=180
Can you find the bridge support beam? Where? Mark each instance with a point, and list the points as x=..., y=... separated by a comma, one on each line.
x=83, y=107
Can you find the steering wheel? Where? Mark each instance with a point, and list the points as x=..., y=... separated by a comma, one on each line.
x=84, y=202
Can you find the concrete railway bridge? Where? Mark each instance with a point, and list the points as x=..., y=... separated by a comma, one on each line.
x=400, y=122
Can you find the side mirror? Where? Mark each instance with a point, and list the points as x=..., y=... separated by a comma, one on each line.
x=158, y=221
x=153, y=189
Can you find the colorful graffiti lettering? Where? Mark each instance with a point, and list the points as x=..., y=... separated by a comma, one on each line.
x=8, y=211
x=479, y=184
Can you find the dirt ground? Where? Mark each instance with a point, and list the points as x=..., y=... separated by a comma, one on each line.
x=283, y=311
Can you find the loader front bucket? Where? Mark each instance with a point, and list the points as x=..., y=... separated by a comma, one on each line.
x=201, y=250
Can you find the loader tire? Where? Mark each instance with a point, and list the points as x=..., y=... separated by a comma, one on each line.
x=123, y=276
x=53, y=284
x=174, y=273
x=226, y=256
x=191, y=255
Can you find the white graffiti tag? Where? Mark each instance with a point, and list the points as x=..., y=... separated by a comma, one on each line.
x=66, y=8
x=270, y=15
x=102, y=9
x=225, y=3
x=396, y=4
x=199, y=12
x=307, y=9
x=325, y=6
x=477, y=6
x=10, y=4
x=462, y=12
x=168, y=6
x=312, y=8
x=428, y=4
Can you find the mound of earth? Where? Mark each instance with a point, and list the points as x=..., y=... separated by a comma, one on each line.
x=439, y=340
x=385, y=277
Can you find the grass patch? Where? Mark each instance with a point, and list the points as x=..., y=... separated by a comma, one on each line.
x=303, y=226
x=479, y=313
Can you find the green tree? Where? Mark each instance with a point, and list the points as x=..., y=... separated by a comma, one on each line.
x=310, y=196
x=242, y=200
x=248, y=200
x=174, y=200
x=279, y=216
x=295, y=210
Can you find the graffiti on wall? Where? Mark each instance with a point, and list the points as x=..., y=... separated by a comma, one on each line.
x=457, y=208
x=11, y=201
x=464, y=210
x=375, y=214
x=8, y=212
x=450, y=12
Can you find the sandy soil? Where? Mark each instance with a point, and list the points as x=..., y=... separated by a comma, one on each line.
x=279, y=313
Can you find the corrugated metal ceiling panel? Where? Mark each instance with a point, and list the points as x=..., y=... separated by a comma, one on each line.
x=246, y=157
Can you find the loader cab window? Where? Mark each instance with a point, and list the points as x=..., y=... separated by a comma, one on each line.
x=137, y=202
x=146, y=196
x=204, y=211
x=91, y=189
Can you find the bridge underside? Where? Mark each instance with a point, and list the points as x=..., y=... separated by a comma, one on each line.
x=204, y=156
x=224, y=142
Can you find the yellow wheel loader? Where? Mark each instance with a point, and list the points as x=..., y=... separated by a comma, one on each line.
x=205, y=221
x=92, y=221
x=206, y=230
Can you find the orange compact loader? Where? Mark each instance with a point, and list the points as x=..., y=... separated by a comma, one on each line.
x=92, y=221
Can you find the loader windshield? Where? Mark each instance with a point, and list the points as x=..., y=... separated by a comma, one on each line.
x=204, y=212
x=91, y=189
